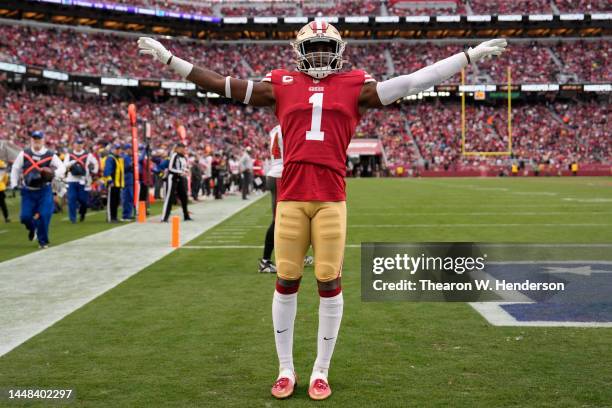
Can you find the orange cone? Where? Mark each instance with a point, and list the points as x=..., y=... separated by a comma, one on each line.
x=151, y=197
x=175, y=231
x=142, y=212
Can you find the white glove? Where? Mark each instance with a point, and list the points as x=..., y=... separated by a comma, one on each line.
x=487, y=49
x=149, y=46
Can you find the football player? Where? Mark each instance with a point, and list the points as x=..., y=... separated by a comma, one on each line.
x=318, y=107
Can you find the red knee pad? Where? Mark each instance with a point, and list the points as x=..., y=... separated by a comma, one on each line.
x=331, y=292
x=286, y=287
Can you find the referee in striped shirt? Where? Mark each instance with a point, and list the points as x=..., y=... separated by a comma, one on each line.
x=176, y=182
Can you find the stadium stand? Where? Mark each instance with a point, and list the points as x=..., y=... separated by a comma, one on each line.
x=341, y=8
x=584, y=6
x=371, y=8
x=419, y=134
x=184, y=6
x=509, y=7
x=112, y=54
x=418, y=8
x=589, y=61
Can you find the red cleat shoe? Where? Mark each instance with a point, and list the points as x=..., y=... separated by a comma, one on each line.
x=283, y=387
x=319, y=389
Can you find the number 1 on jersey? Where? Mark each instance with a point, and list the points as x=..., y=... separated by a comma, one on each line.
x=317, y=111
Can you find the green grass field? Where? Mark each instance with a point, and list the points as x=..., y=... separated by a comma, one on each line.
x=195, y=330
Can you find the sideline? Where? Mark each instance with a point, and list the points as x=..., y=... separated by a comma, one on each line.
x=41, y=288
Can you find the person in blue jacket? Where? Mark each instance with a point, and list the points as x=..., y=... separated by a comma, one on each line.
x=115, y=181
x=127, y=194
x=33, y=169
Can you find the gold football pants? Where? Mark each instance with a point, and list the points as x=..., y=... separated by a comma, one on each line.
x=300, y=224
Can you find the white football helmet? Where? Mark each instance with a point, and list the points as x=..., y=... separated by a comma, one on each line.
x=318, y=49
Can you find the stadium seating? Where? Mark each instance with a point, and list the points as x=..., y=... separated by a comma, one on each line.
x=589, y=60
x=114, y=55
x=509, y=7
x=529, y=62
x=341, y=8
x=369, y=7
x=414, y=135
x=400, y=8
x=417, y=134
x=195, y=7
x=584, y=6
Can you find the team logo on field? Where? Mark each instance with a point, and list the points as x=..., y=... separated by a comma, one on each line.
x=585, y=302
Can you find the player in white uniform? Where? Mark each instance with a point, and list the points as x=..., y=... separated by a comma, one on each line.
x=273, y=176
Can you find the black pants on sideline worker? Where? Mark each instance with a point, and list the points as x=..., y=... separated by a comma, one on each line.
x=143, y=195
x=176, y=186
x=5, y=213
x=112, y=203
x=247, y=179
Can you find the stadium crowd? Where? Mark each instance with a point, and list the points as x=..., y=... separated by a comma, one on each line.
x=61, y=118
x=114, y=55
x=424, y=133
x=556, y=134
x=182, y=6
x=510, y=7
x=370, y=7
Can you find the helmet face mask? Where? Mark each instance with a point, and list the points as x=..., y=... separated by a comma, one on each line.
x=318, y=49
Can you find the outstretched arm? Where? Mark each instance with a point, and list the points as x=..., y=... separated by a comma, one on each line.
x=257, y=94
x=374, y=95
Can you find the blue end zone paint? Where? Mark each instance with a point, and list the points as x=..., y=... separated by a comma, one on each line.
x=560, y=312
x=587, y=296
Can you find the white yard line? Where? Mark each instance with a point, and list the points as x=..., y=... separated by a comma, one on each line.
x=41, y=288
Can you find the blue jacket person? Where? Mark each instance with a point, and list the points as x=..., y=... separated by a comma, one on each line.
x=80, y=164
x=115, y=176
x=127, y=194
x=34, y=168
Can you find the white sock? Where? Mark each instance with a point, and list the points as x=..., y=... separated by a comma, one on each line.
x=284, y=308
x=330, y=316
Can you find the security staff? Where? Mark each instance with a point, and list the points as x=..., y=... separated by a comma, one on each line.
x=176, y=183
x=127, y=194
x=114, y=174
x=160, y=171
x=146, y=174
x=246, y=168
x=34, y=167
x=79, y=163
x=219, y=171
x=4, y=180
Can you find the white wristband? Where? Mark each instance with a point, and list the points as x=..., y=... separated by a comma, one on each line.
x=249, y=91
x=180, y=66
x=228, y=87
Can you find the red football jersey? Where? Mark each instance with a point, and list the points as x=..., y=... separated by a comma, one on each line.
x=318, y=117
